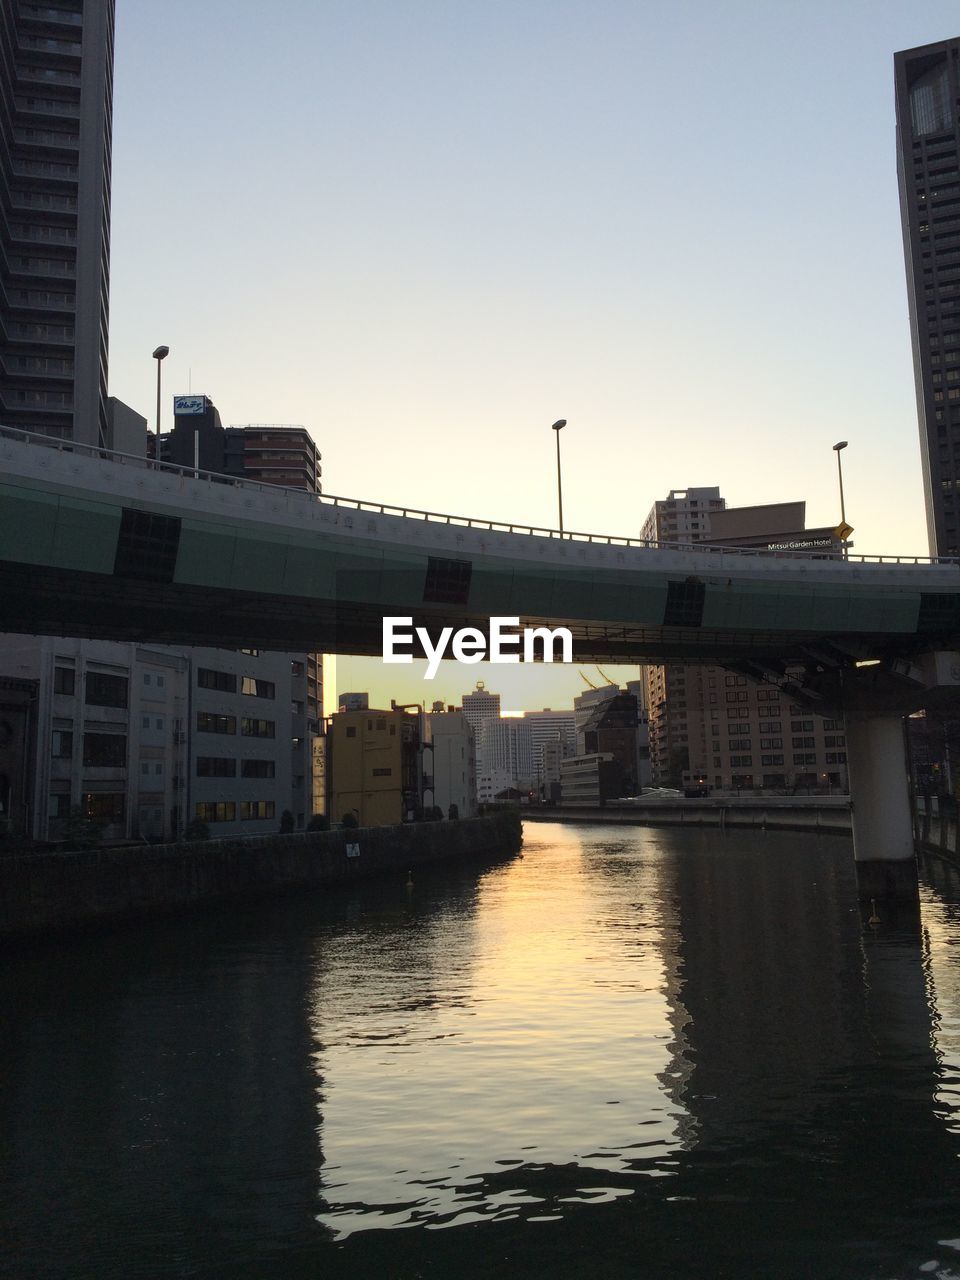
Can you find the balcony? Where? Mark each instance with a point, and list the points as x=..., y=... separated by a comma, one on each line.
x=48, y=75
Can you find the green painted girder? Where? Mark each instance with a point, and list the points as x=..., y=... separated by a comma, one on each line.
x=248, y=564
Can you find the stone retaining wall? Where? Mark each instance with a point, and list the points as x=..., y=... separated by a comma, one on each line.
x=47, y=891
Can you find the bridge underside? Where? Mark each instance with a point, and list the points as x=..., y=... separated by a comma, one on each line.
x=49, y=601
x=101, y=548
x=94, y=547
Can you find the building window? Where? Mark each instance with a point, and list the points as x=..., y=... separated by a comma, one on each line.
x=255, y=688
x=351, y=730
x=256, y=809
x=221, y=811
x=107, y=807
x=208, y=723
x=258, y=769
x=106, y=691
x=222, y=681
x=296, y=668
x=383, y=773
x=216, y=767
x=253, y=728
x=104, y=750
x=64, y=680
x=62, y=744
x=58, y=805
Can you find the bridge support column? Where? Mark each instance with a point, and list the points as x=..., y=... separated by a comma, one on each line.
x=883, y=846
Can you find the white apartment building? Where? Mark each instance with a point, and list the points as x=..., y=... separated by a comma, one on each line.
x=490, y=785
x=506, y=748
x=111, y=734
x=144, y=739
x=480, y=706
x=454, y=763
x=551, y=726
x=683, y=516
x=251, y=750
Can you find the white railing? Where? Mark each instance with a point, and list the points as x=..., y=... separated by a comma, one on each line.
x=436, y=517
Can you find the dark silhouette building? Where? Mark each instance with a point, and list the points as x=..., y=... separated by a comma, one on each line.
x=56, y=94
x=927, y=94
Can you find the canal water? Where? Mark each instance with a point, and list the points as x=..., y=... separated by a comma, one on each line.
x=625, y=1053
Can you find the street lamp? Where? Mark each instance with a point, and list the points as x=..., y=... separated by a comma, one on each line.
x=838, y=449
x=159, y=354
x=558, y=427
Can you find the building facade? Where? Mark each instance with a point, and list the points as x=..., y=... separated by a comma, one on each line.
x=927, y=89
x=56, y=84
x=365, y=767
x=548, y=727
x=591, y=780
x=144, y=740
x=506, y=750
x=710, y=728
x=479, y=706
x=111, y=735
x=454, y=758
x=683, y=516
x=250, y=748
x=18, y=732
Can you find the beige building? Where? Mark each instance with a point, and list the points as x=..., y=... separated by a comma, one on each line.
x=364, y=765
x=717, y=729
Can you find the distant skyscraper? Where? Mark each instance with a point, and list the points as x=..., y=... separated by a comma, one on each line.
x=56, y=86
x=549, y=726
x=480, y=706
x=927, y=91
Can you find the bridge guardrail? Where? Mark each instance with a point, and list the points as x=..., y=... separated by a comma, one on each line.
x=436, y=517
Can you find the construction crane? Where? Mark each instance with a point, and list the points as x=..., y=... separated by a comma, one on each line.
x=604, y=676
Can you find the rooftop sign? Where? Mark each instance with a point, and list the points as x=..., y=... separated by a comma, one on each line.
x=189, y=405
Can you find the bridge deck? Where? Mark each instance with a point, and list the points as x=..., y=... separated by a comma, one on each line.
x=95, y=545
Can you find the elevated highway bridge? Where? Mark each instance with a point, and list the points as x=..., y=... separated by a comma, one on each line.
x=109, y=546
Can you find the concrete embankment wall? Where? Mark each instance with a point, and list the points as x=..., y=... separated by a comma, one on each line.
x=48, y=891
x=803, y=815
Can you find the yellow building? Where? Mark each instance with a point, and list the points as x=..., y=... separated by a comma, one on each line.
x=364, y=763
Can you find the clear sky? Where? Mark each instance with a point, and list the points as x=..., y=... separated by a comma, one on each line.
x=427, y=230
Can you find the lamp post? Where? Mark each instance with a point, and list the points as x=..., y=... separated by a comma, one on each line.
x=558, y=427
x=159, y=354
x=838, y=448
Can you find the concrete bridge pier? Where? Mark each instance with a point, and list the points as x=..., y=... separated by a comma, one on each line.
x=883, y=846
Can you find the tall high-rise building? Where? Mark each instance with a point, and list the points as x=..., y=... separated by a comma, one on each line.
x=56, y=95
x=714, y=728
x=505, y=748
x=928, y=168
x=548, y=726
x=479, y=707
